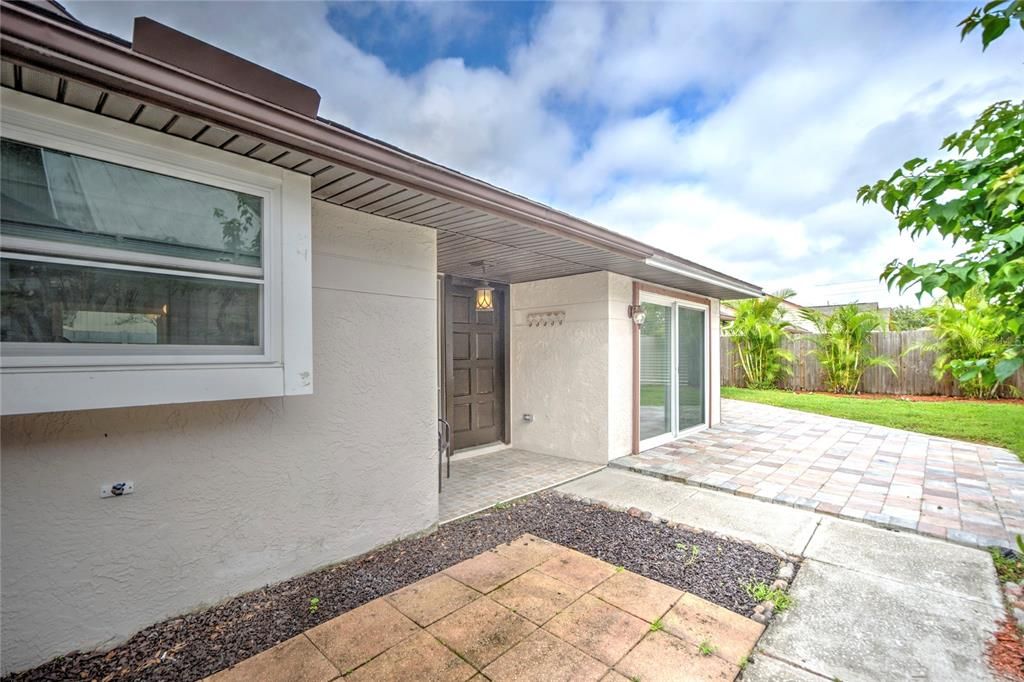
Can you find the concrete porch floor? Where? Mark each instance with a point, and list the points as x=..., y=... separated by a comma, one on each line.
x=526, y=610
x=483, y=481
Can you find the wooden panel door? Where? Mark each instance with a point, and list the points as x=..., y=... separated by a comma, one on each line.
x=475, y=364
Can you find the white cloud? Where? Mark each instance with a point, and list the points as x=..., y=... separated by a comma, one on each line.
x=735, y=134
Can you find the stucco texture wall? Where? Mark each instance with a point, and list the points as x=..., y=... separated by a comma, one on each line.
x=561, y=374
x=233, y=495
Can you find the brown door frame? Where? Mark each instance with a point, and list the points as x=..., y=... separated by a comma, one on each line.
x=503, y=310
x=639, y=287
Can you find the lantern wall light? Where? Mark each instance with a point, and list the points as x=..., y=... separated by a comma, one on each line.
x=637, y=314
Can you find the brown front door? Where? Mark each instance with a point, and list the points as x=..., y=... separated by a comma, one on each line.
x=475, y=365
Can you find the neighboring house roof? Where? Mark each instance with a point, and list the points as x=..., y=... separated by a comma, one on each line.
x=230, y=104
x=790, y=313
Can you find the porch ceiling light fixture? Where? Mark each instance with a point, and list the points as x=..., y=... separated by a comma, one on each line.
x=485, y=293
x=637, y=314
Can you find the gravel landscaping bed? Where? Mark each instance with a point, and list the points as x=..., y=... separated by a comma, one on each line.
x=198, y=644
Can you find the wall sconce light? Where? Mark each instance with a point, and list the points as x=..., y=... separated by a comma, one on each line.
x=485, y=298
x=637, y=314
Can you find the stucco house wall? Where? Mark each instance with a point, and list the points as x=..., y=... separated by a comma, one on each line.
x=232, y=495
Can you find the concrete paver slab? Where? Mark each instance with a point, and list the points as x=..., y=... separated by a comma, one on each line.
x=624, y=489
x=420, y=657
x=577, y=569
x=942, y=566
x=598, y=628
x=295, y=660
x=854, y=625
x=536, y=596
x=355, y=637
x=643, y=597
x=542, y=657
x=661, y=657
x=431, y=598
x=481, y=631
x=486, y=571
x=697, y=621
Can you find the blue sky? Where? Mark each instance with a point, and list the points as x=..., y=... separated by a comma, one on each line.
x=734, y=134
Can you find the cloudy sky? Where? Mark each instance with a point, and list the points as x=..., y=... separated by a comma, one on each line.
x=735, y=134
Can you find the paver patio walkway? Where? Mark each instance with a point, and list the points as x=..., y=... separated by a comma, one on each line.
x=963, y=492
x=869, y=604
x=528, y=610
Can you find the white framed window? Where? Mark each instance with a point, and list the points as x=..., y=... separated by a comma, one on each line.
x=140, y=265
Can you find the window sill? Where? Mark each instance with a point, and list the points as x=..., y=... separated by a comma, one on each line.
x=41, y=391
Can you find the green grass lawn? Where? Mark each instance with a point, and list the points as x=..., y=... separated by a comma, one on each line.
x=980, y=422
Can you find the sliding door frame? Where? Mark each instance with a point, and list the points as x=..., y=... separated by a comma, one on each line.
x=643, y=292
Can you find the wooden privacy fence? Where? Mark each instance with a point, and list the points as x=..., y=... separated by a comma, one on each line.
x=913, y=369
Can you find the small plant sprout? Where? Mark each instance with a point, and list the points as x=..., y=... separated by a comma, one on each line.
x=620, y=569
x=744, y=662
x=760, y=591
x=314, y=604
x=706, y=648
x=657, y=625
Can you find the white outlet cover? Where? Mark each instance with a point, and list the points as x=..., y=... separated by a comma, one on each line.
x=106, y=490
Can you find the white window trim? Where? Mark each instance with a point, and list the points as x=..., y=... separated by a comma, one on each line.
x=56, y=377
x=661, y=439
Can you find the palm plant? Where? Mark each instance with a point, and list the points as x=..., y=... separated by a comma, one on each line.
x=758, y=332
x=966, y=331
x=843, y=345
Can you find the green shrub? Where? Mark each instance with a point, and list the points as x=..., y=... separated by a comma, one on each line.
x=971, y=339
x=757, y=333
x=843, y=345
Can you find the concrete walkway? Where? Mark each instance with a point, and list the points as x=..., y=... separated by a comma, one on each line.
x=962, y=492
x=870, y=604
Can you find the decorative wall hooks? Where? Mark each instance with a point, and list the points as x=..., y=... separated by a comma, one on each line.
x=549, y=319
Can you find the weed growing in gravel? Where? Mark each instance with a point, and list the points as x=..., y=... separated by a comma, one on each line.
x=706, y=648
x=760, y=591
x=744, y=662
x=694, y=552
x=314, y=604
x=1009, y=570
x=503, y=505
x=657, y=625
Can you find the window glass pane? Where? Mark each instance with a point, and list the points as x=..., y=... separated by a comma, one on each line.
x=691, y=367
x=49, y=194
x=56, y=303
x=656, y=371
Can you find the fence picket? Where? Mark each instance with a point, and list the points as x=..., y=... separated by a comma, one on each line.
x=914, y=366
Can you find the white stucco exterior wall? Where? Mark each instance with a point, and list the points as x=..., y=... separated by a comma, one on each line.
x=620, y=366
x=715, y=377
x=559, y=374
x=232, y=495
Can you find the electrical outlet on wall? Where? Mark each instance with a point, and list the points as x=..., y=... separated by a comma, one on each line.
x=117, y=489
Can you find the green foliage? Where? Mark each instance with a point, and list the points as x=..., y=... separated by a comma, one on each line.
x=971, y=340
x=1008, y=570
x=905, y=318
x=657, y=625
x=706, y=648
x=314, y=604
x=843, y=345
x=758, y=332
x=760, y=591
x=994, y=18
x=973, y=196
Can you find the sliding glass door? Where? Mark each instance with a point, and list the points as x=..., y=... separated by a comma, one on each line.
x=673, y=369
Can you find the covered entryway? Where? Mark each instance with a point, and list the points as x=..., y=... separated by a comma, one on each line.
x=474, y=348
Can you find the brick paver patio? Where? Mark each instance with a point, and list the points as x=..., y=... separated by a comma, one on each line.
x=963, y=492
x=528, y=610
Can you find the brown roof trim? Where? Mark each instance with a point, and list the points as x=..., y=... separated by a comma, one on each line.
x=80, y=52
